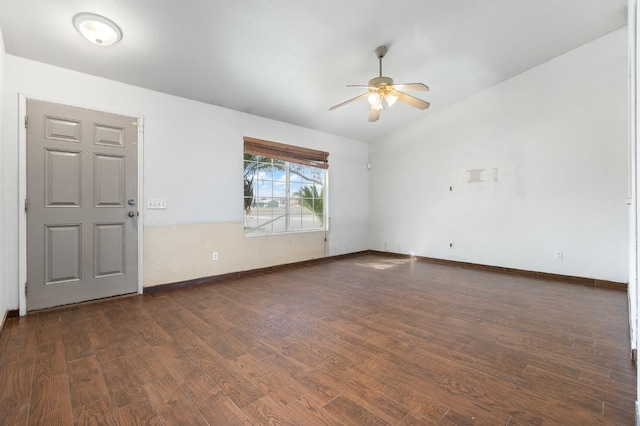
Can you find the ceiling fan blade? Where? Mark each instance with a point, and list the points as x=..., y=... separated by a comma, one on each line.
x=414, y=102
x=349, y=101
x=358, y=85
x=411, y=87
x=374, y=114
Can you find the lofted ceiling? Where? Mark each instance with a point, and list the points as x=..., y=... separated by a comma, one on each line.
x=290, y=60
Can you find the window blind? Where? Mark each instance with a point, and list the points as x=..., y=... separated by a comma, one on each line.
x=296, y=154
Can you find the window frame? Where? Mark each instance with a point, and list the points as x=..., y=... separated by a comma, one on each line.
x=286, y=155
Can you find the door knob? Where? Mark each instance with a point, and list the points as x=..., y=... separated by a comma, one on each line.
x=131, y=214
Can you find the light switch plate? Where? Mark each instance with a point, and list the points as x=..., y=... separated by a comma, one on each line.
x=156, y=204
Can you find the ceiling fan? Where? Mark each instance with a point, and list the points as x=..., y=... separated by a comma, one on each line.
x=382, y=91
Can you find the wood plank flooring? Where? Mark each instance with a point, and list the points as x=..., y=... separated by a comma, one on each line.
x=368, y=340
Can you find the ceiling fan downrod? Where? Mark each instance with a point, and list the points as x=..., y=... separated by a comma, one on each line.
x=379, y=53
x=380, y=81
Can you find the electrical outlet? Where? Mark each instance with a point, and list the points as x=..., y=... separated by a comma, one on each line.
x=451, y=245
x=215, y=256
x=559, y=255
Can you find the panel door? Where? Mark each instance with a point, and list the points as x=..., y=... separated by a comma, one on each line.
x=82, y=223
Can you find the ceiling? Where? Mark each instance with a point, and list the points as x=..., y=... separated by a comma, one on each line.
x=290, y=60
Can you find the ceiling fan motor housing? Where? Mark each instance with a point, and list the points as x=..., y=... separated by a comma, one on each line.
x=382, y=86
x=380, y=81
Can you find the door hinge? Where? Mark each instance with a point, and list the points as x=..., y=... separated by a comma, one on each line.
x=26, y=121
x=26, y=204
x=26, y=288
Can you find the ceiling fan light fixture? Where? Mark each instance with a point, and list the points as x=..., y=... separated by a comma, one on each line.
x=391, y=99
x=97, y=29
x=374, y=99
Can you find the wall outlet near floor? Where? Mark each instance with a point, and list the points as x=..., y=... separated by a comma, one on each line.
x=451, y=245
x=214, y=256
x=559, y=255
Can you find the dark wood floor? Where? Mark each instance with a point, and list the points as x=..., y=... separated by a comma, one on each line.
x=362, y=341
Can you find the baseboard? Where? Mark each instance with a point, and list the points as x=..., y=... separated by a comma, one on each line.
x=251, y=272
x=11, y=313
x=4, y=322
x=592, y=282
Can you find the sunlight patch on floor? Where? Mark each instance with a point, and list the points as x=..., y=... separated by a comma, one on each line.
x=384, y=263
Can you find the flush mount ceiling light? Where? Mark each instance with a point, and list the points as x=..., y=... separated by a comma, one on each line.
x=97, y=29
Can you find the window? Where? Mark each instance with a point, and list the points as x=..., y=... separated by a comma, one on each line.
x=284, y=188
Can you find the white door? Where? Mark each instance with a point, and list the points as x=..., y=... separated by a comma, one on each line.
x=82, y=224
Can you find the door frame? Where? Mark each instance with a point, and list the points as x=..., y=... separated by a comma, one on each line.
x=22, y=191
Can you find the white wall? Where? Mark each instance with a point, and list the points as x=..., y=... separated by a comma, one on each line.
x=557, y=135
x=5, y=302
x=193, y=158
